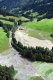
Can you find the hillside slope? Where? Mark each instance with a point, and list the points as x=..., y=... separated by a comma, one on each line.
x=40, y=6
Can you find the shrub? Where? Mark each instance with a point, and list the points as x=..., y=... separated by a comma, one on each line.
x=51, y=35
x=8, y=34
x=19, y=22
x=6, y=73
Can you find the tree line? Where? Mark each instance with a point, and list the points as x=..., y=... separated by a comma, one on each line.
x=33, y=54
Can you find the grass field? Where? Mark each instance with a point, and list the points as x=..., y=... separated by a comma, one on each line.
x=4, y=41
x=40, y=29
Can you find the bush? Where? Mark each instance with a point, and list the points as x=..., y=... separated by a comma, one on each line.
x=8, y=34
x=51, y=35
x=19, y=22
x=6, y=73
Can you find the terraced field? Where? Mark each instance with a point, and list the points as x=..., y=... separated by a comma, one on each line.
x=6, y=18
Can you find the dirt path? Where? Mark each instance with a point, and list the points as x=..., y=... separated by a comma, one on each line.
x=30, y=41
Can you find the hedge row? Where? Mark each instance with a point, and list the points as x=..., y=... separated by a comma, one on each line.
x=33, y=54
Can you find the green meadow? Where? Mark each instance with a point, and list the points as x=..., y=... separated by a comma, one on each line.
x=40, y=29
x=4, y=41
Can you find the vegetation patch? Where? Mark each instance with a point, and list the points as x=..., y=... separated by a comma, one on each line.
x=51, y=35
x=49, y=71
x=45, y=27
x=7, y=73
x=4, y=41
x=36, y=78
